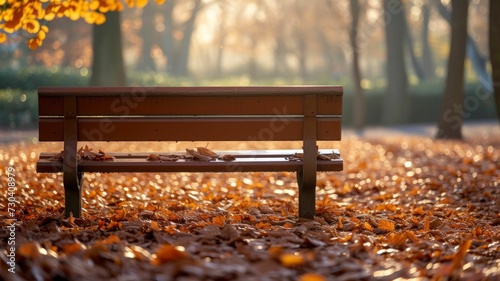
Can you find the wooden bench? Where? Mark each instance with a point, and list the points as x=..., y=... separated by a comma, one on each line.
x=292, y=113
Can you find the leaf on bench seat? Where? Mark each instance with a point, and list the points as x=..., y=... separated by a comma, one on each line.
x=198, y=156
x=156, y=157
x=326, y=157
x=206, y=152
x=87, y=153
x=59, y=157
x=227, y=157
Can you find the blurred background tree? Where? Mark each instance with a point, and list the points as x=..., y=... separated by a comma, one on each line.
x=452, y=110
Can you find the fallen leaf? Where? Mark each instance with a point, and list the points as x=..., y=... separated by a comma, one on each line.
x=198, y=156
x=292, y=260
x=228, y=157
x=169, y=253
x=206, y=152
x=386, y=225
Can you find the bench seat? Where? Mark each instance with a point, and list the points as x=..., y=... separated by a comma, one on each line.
x=246, y=161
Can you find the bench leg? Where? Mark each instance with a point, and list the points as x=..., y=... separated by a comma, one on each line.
x=307, y=195
x=73, y=197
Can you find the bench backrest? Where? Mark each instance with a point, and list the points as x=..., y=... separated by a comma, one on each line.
x=190, y=113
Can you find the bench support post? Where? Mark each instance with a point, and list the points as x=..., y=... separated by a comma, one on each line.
x=307, y=177
x=71, y=177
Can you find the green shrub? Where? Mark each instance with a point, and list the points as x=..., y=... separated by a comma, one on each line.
x=18, y=109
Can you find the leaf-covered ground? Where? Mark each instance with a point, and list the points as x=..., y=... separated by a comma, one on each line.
x=404, y=207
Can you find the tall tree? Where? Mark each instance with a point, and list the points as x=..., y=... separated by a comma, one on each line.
x=494, y=45
x=427, y=56
x=396, y=104
x=178, y=36
x=168, y=34
x=451, y=117
x=148, y=34
x=107, y=63
x=417, y=66
x=359, y=102
x=181, y=67
x=478, y=61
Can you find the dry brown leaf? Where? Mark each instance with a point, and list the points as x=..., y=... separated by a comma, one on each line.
x=153, y=157
x=198, y=156
x=206, y=152
x=228, y=157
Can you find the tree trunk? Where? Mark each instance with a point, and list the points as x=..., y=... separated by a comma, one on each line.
x=301, y=40
x=148, y=33
x=302, y=56
x=168, y=34
x=359, y=103
x=182, y=59
x=326, y=48
x=494, y=35
x=222, y=35
x=396, y=105
x=477, y=60
x=419, y=71
x=107, y=61
x=427, y=57
x=452, y=112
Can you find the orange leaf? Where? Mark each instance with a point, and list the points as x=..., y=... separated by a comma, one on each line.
x=34, y=43
x=418, y=210
x=397, y=240
x=263, y=225
x=155, y=226
x=312, y=277
x=411, y=235
x=69, y=249
x=460, y=255
x=368, y=226
x=111, y=239
x=292, y=260
x=160, y=2
x=29, y=250
x=141, y=3
x=3, y=37
x=427, y=224
x=275, y=251
x=219, y=220
x=386, y=225
x=169, y=253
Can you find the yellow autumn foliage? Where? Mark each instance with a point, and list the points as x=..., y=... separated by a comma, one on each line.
x=25, y=15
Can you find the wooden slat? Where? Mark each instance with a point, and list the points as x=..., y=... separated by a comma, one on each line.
x=191, y=100
x=246, y=161
x=269, y=128
x=192, y=105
